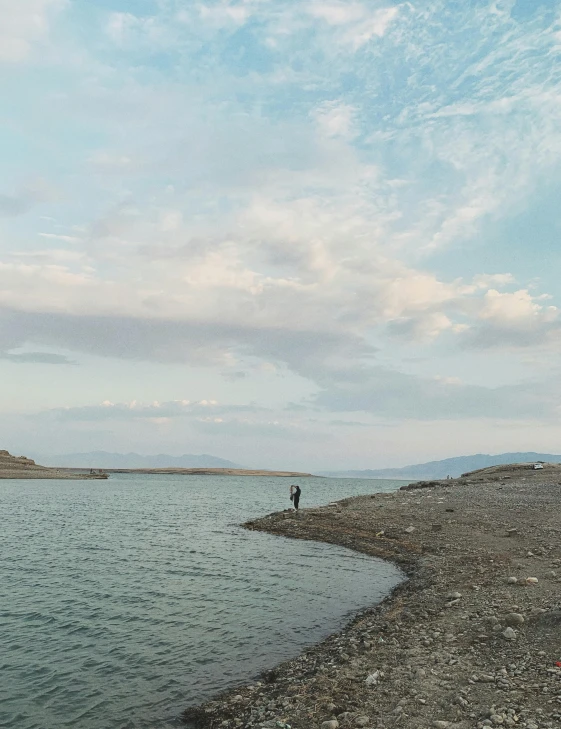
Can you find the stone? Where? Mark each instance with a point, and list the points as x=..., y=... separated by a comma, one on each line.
x=454, y=596
x=362, y=721
x=441, y=724
x=549, y=618
x=531, y=580
x=331, y=724
x=509, y=634
x=514, y=619
x=409, y=530
x=552, y=574
x=511, y=532
x=373, y=678
x=512, y=580
x=497, y=719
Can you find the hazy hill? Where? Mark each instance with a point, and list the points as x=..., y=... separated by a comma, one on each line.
x=448, y=467
x=103, y=459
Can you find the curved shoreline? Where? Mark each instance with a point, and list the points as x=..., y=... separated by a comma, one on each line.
x=453, y=645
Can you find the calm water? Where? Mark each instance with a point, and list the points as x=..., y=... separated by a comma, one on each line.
x=122, y=602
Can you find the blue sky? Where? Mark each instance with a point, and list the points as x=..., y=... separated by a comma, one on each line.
x=293, y=234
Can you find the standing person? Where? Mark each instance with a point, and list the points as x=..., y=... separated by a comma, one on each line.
x=295, y=492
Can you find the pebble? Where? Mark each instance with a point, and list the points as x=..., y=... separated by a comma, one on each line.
x=440, y=724
x=454, y=596
x=409, y=530
x=509, y=634
x=373, y=678
x=512, y=580
x=532, y=580
x=362, y=721
x=331, y=724
x=514, y=619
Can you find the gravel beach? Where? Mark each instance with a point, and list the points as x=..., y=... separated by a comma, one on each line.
x=471, y=638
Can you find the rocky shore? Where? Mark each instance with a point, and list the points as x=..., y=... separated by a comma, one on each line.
x=472, y=637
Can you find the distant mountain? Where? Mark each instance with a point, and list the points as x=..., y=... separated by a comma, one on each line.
x=102, y=459
x=448, y=467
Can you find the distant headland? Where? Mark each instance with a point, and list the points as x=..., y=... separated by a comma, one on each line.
x=453, y=467
x=203, y=472
x=22, y=467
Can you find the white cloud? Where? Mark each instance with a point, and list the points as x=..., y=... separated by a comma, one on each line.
x=109, y=410
x=59, y=236
x=485, y=280
x=515, y=307
x=373, y=26
x=337, y=13
x=119, y=25
x=225, y=13
x=359, y=24
x=336, y=119
x=24, y=23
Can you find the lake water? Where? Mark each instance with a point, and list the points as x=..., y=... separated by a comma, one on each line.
x=124, y=601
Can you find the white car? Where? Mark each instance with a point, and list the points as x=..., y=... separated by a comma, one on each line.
x=537, y=466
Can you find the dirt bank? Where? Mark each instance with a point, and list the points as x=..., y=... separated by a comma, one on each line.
x=471, y=639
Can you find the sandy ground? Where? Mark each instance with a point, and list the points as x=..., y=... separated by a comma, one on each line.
x=471, y=639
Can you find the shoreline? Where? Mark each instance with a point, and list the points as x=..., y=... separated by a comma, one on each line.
x=49, y=475
x=465, y=641
x=20, y=467
x=199, y=472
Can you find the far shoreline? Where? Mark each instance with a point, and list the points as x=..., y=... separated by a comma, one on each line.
x=199, y=472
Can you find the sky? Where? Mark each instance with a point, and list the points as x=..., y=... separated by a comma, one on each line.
x=289, y=233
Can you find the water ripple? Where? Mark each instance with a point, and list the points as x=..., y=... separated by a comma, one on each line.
x=123, y=602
